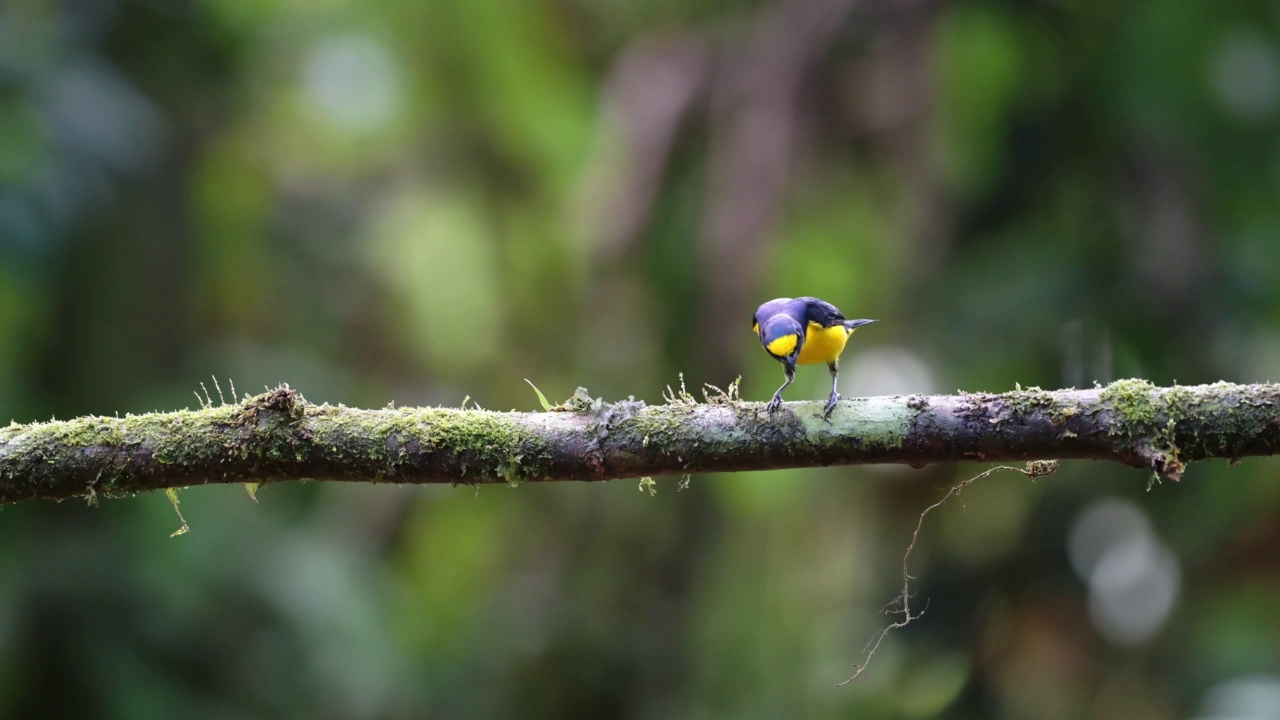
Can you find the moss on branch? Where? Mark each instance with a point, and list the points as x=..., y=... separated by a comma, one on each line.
x=278, y=436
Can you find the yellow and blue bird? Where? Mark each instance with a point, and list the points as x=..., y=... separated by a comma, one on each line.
x=804, y=331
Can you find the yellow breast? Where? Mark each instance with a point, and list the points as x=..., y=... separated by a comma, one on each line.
x=823, y=345
x=783, y=346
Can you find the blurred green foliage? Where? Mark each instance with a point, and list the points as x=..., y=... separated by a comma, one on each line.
x=419, y=202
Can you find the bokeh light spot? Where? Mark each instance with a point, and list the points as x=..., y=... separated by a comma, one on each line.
x=354, y=83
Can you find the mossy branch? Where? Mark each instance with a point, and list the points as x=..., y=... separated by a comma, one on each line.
x=279, y=436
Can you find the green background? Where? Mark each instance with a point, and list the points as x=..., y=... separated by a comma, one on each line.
x=417, y=202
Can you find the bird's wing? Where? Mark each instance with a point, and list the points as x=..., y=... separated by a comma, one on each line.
x=822, y=312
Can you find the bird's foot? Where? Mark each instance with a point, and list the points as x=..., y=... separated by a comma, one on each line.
x=831, y=404
x=774, y=404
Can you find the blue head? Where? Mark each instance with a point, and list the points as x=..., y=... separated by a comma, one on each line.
x=781, y=334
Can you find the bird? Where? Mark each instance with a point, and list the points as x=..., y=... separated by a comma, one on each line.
x=804, y=331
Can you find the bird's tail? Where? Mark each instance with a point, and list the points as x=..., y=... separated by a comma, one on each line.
x=851, y=324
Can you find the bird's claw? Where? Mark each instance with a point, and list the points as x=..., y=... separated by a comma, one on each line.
x=831, y=404
x=774, y=404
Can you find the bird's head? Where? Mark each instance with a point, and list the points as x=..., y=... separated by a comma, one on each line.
x=780, y=335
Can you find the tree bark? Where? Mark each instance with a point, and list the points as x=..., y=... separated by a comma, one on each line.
x=279, y=436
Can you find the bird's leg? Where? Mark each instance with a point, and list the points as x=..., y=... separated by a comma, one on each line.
x=834, y=367
x=776, y=402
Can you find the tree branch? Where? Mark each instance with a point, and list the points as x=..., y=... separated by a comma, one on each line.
x=279, y=436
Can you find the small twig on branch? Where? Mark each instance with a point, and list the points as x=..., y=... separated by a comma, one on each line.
x=901, y=605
